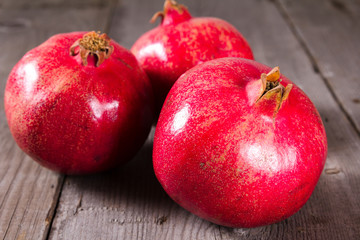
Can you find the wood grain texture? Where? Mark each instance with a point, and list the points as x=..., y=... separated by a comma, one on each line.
x=129, y=203
x=28, y=192
x=126, y=203
x=330, y=30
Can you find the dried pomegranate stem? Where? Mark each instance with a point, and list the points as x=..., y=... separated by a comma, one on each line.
x=94, y=44
x=271, y=84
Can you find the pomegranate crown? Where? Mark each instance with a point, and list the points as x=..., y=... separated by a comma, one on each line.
x=173, y=13
x=92, y=43
x=270, y=85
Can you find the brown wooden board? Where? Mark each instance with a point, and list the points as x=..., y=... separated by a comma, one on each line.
x=330, y=31
x=129, y=203
x=28, y=192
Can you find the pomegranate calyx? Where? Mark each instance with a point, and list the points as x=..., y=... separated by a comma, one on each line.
x=156, y=16
x=173, y=13
x=172, y=4
x=271, y=85
x=92, y=43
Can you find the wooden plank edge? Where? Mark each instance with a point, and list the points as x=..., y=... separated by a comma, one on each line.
x=50, y=216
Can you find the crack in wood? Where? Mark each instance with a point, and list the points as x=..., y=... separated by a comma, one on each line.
x=50, y=216
x=11, y=218
x=161, y=220
x=78, y=206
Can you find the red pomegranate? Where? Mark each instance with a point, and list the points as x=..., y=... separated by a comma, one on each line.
x=181, y=42
x=79, y=103
x=238, y=144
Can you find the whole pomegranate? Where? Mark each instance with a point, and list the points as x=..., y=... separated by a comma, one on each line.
x=238, y=144
x=181, y=42
x=79, y=103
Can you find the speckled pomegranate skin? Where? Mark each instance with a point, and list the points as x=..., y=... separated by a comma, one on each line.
x=78, y=119
x=224, y=156
x=181, y=42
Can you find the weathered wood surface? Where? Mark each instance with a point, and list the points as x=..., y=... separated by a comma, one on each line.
x=28, y=192
x=128, y=202
x=330, y=30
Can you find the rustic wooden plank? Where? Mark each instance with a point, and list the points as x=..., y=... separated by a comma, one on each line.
x=128, y=203
x=28, y=192
x=330, y=30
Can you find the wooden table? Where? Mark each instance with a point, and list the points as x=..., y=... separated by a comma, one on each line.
x=316, y=43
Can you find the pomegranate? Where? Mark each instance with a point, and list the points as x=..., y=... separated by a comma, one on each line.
x=79, y=103
x=181, y=42
x=238, y=144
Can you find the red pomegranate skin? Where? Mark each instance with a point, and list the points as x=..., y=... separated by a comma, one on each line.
x=78, y=119
x=181, y=42
x=228, y=157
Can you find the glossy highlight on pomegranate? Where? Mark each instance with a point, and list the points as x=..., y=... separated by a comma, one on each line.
x=238, y=144
x=181, y=42
x=79, y=103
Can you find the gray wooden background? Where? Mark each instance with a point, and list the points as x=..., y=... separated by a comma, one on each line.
x=316, y=43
